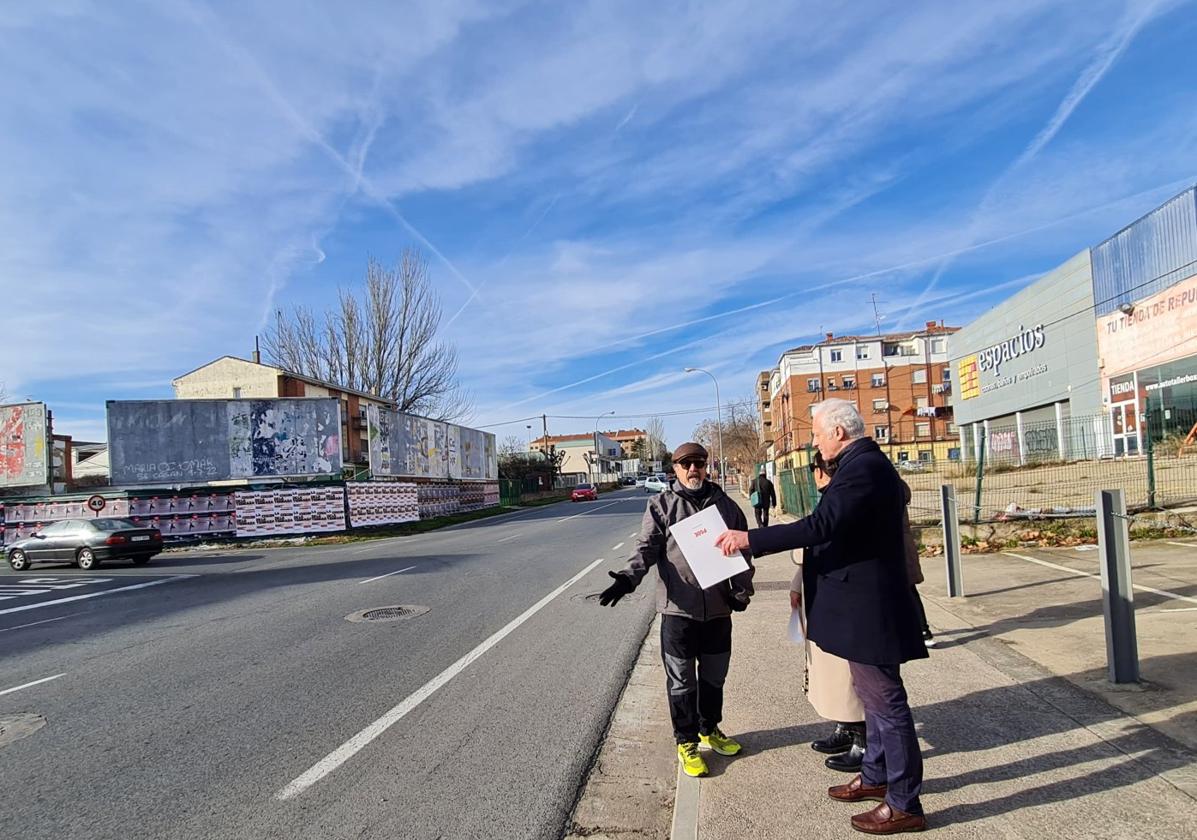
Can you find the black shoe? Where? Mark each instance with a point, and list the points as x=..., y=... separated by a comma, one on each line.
x=837, y=742
x=846, y=762
x=850, y=761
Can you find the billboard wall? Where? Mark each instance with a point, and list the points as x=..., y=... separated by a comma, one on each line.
x=24, y=458
x=406, y=446
x=179, y=441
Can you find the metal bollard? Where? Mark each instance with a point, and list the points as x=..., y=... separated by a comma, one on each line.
x=951, y=539
x=1117, y=593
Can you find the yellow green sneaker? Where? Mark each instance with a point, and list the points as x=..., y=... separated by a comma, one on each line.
x=692, y=762
x=720, y=743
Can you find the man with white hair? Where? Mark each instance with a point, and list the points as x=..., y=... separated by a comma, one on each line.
x=864, y=612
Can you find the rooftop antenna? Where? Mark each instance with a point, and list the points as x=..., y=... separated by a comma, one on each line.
x=876, y=317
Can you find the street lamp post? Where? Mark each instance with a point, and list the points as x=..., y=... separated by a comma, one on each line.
x=529, y=428
x=718, y=419
x=596, y=443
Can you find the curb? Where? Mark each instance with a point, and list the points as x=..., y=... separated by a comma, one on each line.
x=685, y=808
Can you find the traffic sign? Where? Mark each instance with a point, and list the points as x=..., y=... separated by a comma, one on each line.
x=96, y=503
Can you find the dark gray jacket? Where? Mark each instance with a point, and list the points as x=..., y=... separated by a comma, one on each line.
x=678, y=592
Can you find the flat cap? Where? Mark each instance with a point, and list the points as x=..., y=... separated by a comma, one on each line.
x=689, y=450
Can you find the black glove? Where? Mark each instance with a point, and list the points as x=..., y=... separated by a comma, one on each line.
x=738, y=606
x=611, y=595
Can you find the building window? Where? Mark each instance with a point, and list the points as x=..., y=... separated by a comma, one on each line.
x=813, y=386
x=881, y=433
x=952, y=430
x=919, y=376
x=849, y=382
x=922, y=430
x=878, y=380
x=862, y=351
x=946, y=373
x=939, y=345
x=880, y=405
x=920, y=402
x=831, y=386
x=837, y=355
x=236, y=393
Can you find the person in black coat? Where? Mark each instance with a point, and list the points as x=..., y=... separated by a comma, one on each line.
x=863, y=612
x=766, y=497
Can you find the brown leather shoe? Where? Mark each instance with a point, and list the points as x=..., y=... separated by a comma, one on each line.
x=856, y=790
x=886, y=819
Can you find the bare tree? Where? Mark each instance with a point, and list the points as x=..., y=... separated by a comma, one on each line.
x=654, y=429
x=383, y=342
x=512, y=445
x=741, y=436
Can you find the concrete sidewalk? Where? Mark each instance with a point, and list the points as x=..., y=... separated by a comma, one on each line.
x=1018, y=743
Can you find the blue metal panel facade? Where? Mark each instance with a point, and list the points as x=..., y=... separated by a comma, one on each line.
x=1148, y=255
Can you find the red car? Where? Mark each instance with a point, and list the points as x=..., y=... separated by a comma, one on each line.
x=584, y=493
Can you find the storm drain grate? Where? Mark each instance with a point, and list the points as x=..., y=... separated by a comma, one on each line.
x=400, y=612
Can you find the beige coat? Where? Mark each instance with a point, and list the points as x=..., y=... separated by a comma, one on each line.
x=914, y=569
x=828, y=678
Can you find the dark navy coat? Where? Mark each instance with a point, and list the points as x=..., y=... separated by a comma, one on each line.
x=863, y=611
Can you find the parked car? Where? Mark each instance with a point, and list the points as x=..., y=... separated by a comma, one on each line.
x=640, y=479
x=86, y=543
x=584, y=493
x=655, y=484
x=628, y=481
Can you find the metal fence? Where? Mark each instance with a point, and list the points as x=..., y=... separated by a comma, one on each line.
x=1054, y=469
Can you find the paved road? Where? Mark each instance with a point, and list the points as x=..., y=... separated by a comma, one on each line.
x=223, y=699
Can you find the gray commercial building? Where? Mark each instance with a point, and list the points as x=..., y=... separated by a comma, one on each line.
x=1025, y=375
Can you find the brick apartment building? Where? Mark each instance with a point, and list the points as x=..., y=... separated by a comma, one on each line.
x=626, y=438
x=900, y=382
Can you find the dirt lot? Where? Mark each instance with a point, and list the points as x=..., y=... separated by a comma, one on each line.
x=1071, y=485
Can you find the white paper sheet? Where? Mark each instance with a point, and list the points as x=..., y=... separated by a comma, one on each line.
x=795, y=630
x=695, y=536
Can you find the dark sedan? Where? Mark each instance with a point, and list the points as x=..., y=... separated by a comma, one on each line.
x=86, y=543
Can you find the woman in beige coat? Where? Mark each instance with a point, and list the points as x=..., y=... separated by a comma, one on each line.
x=828, y=684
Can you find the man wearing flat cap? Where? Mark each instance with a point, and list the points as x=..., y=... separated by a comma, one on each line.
x=695, y=622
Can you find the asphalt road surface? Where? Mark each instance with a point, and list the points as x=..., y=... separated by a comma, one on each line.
x=219, y=694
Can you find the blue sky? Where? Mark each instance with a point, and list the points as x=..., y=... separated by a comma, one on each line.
x=607, y=192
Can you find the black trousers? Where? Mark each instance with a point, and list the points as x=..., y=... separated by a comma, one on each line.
x=762, y=516
x=922, y=612
x=696, y=656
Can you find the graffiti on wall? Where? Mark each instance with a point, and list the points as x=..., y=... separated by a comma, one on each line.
x=23, y=458
x=153, y=441
x=407, y=446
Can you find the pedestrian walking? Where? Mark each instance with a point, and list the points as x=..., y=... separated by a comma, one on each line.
x=863, y=611
x=762, y=496
x=696, y=624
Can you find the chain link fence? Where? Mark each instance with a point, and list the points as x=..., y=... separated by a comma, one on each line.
x=1053, y=470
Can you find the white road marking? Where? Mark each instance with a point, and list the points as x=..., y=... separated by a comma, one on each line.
x=29, y=684
x=35, y=623
x=617, y=547
x=1182, y=545
x=362, y=739
x=94, y=594
x=1079, y=573
x=373, y=545
x=512, y=537
x=632, y=534
x=388, y=574
x=1179, y=609
x=588, y=510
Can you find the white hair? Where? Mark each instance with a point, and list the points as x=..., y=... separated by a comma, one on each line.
x=836, y=412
